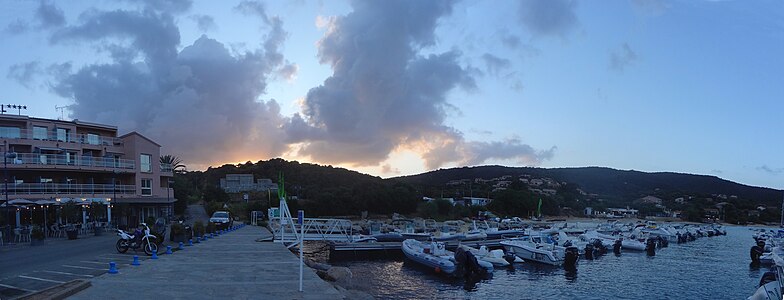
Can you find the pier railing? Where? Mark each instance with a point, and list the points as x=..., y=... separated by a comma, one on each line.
x=338, y=230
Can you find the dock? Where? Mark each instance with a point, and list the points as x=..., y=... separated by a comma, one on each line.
x=395, y=246
x=233, y=265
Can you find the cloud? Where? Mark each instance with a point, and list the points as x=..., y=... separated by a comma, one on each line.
x=387, y=169
x=24, y=73
x=494, y=64
x=769, y=170
x=202, y=102
x=204, y=22
x=548, y=17
x=18, y=26
x=253, y=8
x=620, y=59
x=168, y=6
x=50, y=15
x=383, y=93
x=511, y=41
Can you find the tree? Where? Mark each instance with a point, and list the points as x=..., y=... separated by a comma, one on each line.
x=175, y=162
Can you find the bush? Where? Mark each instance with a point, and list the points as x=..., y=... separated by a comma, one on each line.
x=210, y=227
x=37, y=233
x=150, y=221
x=198, y=228
x=177, y=229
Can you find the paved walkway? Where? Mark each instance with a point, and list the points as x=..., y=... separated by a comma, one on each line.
x=231, y=266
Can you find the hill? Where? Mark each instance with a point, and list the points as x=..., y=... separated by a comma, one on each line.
x=609, y=183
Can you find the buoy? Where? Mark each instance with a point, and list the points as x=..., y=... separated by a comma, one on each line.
x=168, y=250
x=113, y=268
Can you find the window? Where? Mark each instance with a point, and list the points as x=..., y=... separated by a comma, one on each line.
x=10, y=132
x=146, y=187
x=62, y=135
x=46, y=180
x=93, y=139
x=39, y=133
x=146, y=163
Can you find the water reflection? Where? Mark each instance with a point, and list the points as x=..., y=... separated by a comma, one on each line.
x=570, y=274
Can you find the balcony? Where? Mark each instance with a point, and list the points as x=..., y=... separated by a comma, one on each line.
x=87, y=139
x=166, y=168
x=69, y=189
x=72, y=160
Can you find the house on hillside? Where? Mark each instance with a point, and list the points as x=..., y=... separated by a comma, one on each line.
x=650, y=200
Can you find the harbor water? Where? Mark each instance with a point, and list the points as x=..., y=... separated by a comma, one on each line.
x=708, y=268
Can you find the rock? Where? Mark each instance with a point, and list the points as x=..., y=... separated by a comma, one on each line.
x=317, y=265
x=323, y=275
x=342, y=276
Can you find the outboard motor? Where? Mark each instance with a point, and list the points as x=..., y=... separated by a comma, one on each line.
x=769, y=276
x=710, y=233
x=509, y=257
x=570, y=258
x=617, y=247
x=588, y=251
x=665, y=242
x=650, y=246
x=468, y=263
x=680, y=238
x=600, y=248
x=756, y=252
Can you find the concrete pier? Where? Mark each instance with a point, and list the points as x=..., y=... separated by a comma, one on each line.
x=232, y=266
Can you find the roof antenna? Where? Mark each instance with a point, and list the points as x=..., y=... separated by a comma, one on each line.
x=61, y=109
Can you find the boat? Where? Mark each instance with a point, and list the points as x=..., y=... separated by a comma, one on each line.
x=771, y=284
x=495, y=257
x=533, y=249
x=432, y=255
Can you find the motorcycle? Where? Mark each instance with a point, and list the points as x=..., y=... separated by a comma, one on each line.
x=136, y=241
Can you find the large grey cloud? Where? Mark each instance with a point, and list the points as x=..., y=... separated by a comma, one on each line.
x=383, y=93
x=201, y=103
x=548, y=17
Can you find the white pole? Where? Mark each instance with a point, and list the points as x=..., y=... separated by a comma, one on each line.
x=301, y=217
x=108, y=215
x=18, y=218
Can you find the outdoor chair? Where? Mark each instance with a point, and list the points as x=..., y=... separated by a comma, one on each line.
x=21, y=235
x=1, y=238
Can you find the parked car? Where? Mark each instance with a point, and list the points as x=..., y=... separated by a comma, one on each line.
x=222, y=219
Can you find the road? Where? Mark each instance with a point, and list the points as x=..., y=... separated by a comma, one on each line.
x=25, y=269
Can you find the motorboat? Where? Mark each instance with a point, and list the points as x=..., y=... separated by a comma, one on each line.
x=771, y=286
x=433, y=254
x=532, y=248
x=495, y=257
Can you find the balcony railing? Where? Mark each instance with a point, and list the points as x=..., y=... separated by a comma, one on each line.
x=72, y=160
x=51, y=135
x=166, y=167
x=69, y=189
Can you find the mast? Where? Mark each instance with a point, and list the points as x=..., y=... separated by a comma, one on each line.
x=781, y=224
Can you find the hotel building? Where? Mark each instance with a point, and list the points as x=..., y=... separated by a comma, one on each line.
x=85, y=163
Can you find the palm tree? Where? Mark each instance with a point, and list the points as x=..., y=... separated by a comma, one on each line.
x=174, y=161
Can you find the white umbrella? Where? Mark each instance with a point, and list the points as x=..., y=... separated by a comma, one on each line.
x=20, y=202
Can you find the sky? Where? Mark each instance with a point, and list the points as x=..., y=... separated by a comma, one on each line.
x=393, y=88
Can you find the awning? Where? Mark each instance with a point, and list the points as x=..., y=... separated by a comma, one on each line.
x=144, y=200
x=50, y=149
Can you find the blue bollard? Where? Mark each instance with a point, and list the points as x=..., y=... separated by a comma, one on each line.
x=190, y=242
x=136, y=261
x=168, y=250
x=113, y=268
x=180, y=247
x=154, y=255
